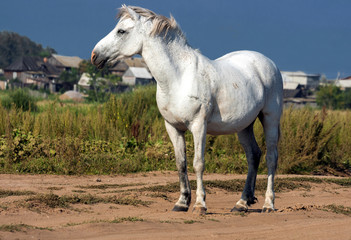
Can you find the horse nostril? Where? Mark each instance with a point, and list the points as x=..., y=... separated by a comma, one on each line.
x=93, y=57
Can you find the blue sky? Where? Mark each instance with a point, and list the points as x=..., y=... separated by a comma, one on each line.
x=309, y=35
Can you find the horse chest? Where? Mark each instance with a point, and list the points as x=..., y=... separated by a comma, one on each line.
x=179, y=111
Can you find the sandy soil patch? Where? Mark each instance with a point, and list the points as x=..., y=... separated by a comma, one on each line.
x=138, y=206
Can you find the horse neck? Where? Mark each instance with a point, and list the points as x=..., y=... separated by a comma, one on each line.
x=167, y=60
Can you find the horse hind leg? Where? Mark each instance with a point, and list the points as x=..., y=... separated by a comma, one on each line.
x=253, y=155
x=271, y=128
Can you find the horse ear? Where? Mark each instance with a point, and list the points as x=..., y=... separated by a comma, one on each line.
x=135, y=16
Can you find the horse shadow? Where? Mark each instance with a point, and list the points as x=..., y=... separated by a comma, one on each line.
x=254, y=210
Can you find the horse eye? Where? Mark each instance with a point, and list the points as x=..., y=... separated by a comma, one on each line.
x=120, y=31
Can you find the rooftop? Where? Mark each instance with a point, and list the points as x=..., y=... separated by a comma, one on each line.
x=68, y=61
x=139, y=72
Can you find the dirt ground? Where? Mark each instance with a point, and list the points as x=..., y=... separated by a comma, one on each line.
x=141, y=209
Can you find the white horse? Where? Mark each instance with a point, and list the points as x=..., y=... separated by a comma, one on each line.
x=194, y=93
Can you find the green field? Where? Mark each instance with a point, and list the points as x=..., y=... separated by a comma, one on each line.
x=127, y=134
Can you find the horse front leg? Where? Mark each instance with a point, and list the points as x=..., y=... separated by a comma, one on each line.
x=198, y=130
x=178, y=141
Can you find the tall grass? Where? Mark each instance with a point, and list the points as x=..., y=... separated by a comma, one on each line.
x=127, y=134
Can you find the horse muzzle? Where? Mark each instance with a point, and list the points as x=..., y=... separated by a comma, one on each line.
x=97, y=59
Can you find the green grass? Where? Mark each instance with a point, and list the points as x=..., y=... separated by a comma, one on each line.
x=127, y=134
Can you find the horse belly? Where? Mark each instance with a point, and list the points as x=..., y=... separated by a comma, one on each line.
x=234, y=111
x=218, y=126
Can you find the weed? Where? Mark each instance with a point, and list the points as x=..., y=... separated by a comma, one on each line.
x=241, y=214
x=213, y=220
x=78, y=191
x=106, y=186
x=191, y=221
x=50, y=200
x=171, y=187
x=127, y=219
x=161, y=195
x=54, y=201
x=339, y=209
x=19, y=227
x=4, y=207
x=54, y=188
x=7, y=193
x=116, y=220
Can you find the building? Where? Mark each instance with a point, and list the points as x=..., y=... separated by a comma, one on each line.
x=292, y=90
x=30, y=70
x=307, y=81
x=122, y=66
x=84, y=81
x=85, y=84
x=137, y=76
x=344, y=83
x=64, y=63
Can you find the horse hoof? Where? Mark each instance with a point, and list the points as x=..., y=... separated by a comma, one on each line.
x=238, y=209
x=199, y=210
x=180, y=208
x=267, y=209
x=252, y=200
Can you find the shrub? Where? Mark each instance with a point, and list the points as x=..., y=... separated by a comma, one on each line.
x=20, y=99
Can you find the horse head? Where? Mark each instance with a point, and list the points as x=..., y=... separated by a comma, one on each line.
x=135, y=25
x=125, y=40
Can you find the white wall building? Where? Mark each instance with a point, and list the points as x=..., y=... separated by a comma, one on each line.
x=137, y=76
x=302, y=78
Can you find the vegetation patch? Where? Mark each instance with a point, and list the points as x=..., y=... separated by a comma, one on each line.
x=234, y=185
x=126, y=134
x=106, y=186
x=54, y=201
x=345, y=182
x=170, y=187
x=339, y=209
x=127, y=219
x=191, y=221
x=7, y=193
x=54, y=188
x=116, y=220
x=19, y=227
x=50, y=200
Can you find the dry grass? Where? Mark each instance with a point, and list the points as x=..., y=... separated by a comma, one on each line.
x=19, y=227
x=54, y=201
x=6, y=193
x=127, y=134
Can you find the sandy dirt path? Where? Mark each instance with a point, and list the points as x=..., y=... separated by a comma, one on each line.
x=138, y=206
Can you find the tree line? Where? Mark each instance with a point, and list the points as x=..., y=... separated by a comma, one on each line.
x=14, y=46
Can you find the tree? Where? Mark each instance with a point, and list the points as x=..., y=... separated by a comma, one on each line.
x=347, y=98
x=101, y=82
x=69, y=78
x=14, y=46
x=331, y=97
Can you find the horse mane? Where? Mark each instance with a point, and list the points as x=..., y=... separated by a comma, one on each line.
x=160, y=23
